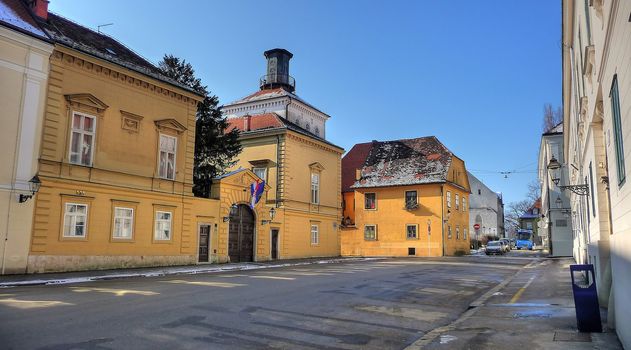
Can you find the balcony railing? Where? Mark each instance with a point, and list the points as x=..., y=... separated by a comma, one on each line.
x=275, y=79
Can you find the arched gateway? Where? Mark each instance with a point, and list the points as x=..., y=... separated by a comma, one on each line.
x=241, y=235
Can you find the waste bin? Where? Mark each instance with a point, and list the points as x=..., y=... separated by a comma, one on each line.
x=585, y=298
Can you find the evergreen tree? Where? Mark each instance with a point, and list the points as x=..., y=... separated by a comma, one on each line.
x=215, y=150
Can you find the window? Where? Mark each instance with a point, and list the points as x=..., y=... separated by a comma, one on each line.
x=168, y=146
x=464, y=204
x=448, y=199
x=162, y=231
x=591, y=189
x=370, y=232
x=464, y=233
x=260, y=172
x=617, y=130
x=411, y=231
x=529, y=225
x=75, y=220
x=370, y=201
x=411, y=200
x=82, y=139
x=449, y=232
x=123, y=223
x=457, y=232
x=479, y=191
x=457, y=202
x=315, y=235
x=315, y=188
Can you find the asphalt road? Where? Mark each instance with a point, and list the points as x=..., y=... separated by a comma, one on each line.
x=380, y=304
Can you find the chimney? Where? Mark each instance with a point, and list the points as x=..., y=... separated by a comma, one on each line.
x=358, y=174
x=40, y=8
x=246, y=122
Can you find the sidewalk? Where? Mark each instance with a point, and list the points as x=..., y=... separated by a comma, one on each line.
x=100, y=275
x=532, y=310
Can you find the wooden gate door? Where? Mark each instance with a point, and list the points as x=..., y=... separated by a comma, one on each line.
x=241, y=235
x=204, y=243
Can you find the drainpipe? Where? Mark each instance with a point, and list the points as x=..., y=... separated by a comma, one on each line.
x=442, y=216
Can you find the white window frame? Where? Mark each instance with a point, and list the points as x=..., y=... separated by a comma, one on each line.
x=457, y=199
x=415, y=231
x=464, y=233
x=315, y=234
x=81, y=133
x=263, y=169
x=73, y=222
x=457, y=232
x=315, y=188
x=410, y=205
x=449, y=232
x=122, y=220
x=165, y=176
x=370, y=225
x=464, y=204
x=157, y=221
x=448, y=199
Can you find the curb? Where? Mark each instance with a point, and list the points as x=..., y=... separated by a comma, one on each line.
x=174, y=271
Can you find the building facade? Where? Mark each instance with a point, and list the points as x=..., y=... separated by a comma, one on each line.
x=530, y=220
x=556, y=224
x=486, y=211
x=597, y=129
x=283, y=139
x=24, y=54
x=116, y=166
x=404, y=198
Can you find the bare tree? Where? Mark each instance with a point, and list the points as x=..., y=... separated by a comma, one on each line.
x=534, y=191
x=551, y=117
x=514, y=211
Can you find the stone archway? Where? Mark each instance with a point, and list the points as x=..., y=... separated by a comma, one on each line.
x=241, y=234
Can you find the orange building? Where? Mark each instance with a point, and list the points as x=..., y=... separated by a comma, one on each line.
x=404, y=198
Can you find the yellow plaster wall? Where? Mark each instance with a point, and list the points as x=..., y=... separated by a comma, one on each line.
x=391, y=219
x=292, y=158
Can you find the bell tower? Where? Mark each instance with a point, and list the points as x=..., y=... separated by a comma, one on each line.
x=278, y=71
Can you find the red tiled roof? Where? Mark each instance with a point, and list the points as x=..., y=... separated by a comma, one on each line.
x=14, y=14
x=396, y=163
x=256, y=122
x=353, y=160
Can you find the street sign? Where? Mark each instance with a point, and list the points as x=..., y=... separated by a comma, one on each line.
x=476, y=226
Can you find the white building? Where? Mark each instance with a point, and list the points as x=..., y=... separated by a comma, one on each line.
x=556, y=225
x=596, y=45
x=24, y=53
x=486, y=210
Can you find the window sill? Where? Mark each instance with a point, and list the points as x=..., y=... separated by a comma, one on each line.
x=122, y=240
x=162, y=241
x=75, y=239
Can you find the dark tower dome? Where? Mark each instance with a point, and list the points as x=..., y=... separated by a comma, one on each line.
x=278, y=71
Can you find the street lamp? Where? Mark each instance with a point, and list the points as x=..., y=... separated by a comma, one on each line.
x=234, y=209
x=272, y=214
x=554, y=166
x=34, y=184
x=559, y=202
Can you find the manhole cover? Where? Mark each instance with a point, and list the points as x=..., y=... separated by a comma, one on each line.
x=572, y=337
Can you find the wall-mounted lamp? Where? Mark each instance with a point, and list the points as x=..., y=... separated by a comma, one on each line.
x=553, y=168
x=34, y=184
x=272, y=214
x=559, y=202
x=234, y=210
x=447, y=216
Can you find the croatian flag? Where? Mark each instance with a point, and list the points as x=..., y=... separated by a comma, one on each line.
x=256, y=191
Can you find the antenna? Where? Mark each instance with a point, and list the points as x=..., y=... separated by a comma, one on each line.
x=98, y=28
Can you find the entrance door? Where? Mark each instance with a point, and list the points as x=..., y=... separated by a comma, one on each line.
x=241, y=235
x=275, y=244
x=204, y=243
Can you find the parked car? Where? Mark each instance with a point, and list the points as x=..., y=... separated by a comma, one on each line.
x=495, y=247
x=507, y=242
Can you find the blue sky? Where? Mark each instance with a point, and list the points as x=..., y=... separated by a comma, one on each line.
x=474, y=73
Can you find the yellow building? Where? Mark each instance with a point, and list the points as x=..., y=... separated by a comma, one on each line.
x=24, y=53
x=404, y=198
x=283, y=143
x=116, y=165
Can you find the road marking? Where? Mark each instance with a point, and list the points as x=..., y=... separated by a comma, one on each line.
x=274, y=277
x=521, y=290
x=415, y=314
x=117, y=292
x=207, y=284
x=31, y=304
